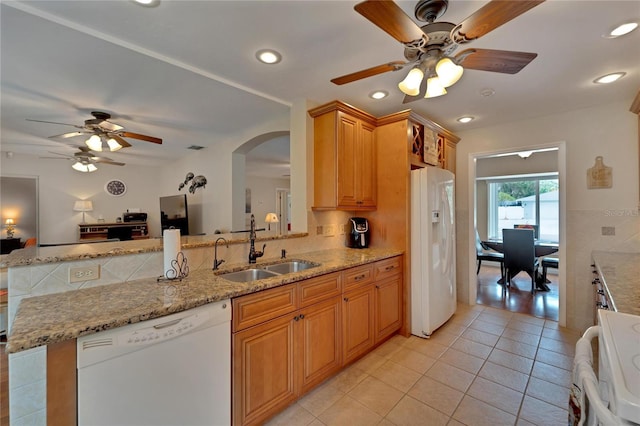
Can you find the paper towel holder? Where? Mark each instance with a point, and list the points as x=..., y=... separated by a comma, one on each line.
x=179, y=269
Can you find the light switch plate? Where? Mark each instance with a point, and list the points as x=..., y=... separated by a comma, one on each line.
x=329, y=230
x=85, y=273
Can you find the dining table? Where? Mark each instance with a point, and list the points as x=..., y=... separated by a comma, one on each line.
x=542, y=249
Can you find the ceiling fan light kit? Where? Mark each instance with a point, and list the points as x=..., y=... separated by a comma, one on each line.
x=84, y=167
x=429, y=49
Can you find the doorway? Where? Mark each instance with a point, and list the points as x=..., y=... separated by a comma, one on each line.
x=560, y=168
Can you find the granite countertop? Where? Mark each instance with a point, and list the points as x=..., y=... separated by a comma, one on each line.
x=48, y=319
x=621, y=275
x=96, y=249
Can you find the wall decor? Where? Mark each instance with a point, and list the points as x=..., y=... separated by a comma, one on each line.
x=196, y=182
x=115, y=187
x=599, y=176
x=430, y=147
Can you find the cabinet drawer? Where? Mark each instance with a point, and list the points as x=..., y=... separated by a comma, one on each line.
x=262, y=306
x=358, y=276
x=387, y=268
x=316, y=289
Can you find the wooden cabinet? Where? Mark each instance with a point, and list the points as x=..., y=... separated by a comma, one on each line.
x=388, y=297
x=358, y=324
x=345, y=175
x=121, y=230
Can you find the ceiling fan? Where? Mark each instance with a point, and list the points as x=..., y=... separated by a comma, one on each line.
x=85, y=160
x=102, y=132
x=429, y=49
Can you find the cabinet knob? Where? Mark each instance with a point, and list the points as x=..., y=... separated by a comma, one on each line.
x=301, y=316
x=388, y=268
x=359, y=277
x=346, y=299
x=378, y=287
x=296, y=318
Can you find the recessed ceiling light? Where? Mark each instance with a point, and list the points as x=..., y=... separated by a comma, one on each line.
x=610, y=78
x=487, y=92
x=268, y=56
x=465, y=119
x=621, y=30
x=378, y=94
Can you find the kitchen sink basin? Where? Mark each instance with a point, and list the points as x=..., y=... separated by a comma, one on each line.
x=248, y=275
x=288, y=267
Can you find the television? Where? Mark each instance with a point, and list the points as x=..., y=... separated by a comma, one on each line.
x=174, y=213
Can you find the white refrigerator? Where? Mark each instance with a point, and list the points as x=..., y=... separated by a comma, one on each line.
x=433, y=249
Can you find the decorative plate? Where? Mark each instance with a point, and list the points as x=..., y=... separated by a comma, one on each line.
x=115, y=187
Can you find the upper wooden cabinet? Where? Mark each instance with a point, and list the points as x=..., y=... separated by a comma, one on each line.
x=344, y=158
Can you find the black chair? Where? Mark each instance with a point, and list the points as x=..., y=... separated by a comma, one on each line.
x=519, y=254
x=123, y=233
x=548, y=262
x=485, y=254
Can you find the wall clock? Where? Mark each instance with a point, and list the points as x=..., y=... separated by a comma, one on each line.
x=115, y=187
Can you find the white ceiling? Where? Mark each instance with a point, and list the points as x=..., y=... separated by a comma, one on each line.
x=185, y=71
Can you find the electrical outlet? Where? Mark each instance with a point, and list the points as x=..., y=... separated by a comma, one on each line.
x=319, y=230
x=608, y=230
x=86, y=273
x=329, y=230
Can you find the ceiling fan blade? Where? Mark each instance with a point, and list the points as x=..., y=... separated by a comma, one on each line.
x=55, y=158
x=141, y=137
x=369, y=72
x=55, y=122
x=489, y=17
x=68, y=135
x=423, y=89
x=504, y=61
x=389, y=17
x=121, y=141
x=105, y=161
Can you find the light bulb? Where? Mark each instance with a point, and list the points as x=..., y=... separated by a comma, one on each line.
x=113, y=144
x=91, y=168
x=448, y=72
x=79, y=167
x=411, y=84
x=94, y=143
x=434, y=88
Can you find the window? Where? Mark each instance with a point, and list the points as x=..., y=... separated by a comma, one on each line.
x=524, y=201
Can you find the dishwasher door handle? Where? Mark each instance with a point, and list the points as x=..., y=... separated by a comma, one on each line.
x=167, y=324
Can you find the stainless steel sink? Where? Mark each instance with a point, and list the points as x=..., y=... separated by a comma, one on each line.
x=248, y=275
x=288, y=267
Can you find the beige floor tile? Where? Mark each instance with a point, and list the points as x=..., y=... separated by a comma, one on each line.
x=413, y=360
x=494, y=318
x=387, y=349
x=541, y=413
x=348, y=411
x=504, y=376
x=472, y=348
x=321, y=398
x=498, y=312
x=443, y=338
x=454, y=328
x=370, y=362
x=529, y=319
x=316, y=422
x=513, y=361
x=463, y=319
x=522, y=337
x=552, y=374
x=554, y=358
x=411, y=412
x=454, y=422
x=348, y=378
x=451, y=376
x=462, y=360
x=487, y=327
x=562, y=347
x=401, y=378
x=487, y=339
x=561, y=333
x=548, y=392
x=385, y=422
x=376, y=395
x=295, y=415
x=496, y=395
x=399, y=339
x=426, y=347
x=436, y=395
x=523, y=422
x=515, y=324
x=477, y=413
x=517, y=348
x=551, y=324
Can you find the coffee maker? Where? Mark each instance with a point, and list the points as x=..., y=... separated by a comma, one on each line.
x=358, y=235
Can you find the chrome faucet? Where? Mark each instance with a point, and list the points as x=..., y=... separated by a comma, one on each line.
x=253, y=254
x=217, y=262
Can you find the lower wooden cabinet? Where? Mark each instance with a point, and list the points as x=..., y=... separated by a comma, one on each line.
x=285, y=342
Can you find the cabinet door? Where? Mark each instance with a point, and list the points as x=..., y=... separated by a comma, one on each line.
x=347, y=153
x=319, y=342
x=388, y=307
x=263, y=370
x=366, y=167
x=358, y=325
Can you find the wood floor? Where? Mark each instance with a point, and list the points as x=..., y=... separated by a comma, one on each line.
x=518, y=297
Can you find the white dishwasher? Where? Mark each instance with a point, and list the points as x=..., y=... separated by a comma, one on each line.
x=174, y=370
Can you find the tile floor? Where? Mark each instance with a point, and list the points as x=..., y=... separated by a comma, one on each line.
x=486, y=366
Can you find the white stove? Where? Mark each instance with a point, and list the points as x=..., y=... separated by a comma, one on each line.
x=619, y=364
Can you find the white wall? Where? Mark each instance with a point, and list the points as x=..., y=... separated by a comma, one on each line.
x=610, y=131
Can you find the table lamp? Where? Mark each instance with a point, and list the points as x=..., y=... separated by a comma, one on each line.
x=83, y=206
x=271, y=218
x=10, y=224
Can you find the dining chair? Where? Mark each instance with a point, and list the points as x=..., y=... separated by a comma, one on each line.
x=519, y=254
x=548, y=262
x=488, y=255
